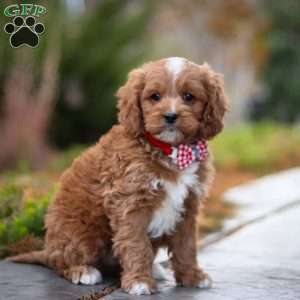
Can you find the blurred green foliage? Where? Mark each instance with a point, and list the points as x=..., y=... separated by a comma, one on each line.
x=281, y=73
x=97, y=49
x=20, y=217
x=261, y=147
x=65, y=158
x=10, y=198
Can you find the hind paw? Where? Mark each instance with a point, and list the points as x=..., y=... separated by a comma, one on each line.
x=83, y=274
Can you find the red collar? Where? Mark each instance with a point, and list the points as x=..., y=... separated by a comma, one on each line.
x=165, y=147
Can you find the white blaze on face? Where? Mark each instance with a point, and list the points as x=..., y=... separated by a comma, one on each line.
x=175, y=65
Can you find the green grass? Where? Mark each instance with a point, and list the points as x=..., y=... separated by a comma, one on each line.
x=260, y=147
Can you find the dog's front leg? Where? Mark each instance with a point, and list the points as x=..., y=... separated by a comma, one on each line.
x=133, y=248
x=183, y=247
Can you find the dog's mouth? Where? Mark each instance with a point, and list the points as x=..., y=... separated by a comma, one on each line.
x=170, y=134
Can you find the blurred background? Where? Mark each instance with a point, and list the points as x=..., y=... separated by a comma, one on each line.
x=57, y=99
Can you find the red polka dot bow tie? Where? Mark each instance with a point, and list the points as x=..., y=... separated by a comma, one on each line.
x=183, y=155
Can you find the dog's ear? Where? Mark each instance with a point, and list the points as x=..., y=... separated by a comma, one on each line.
x=216, y=102
x=130, y=114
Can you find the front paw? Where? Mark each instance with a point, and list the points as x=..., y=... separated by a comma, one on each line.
x=205, y=282
x=196, y=279
x=139, y=288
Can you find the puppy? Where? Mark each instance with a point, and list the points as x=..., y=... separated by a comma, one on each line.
x=139, y=188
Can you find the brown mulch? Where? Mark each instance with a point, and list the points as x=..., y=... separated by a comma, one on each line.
x=27, y=244
x=99, y=295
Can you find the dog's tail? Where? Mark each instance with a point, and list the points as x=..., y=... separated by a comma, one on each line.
x=35, y=257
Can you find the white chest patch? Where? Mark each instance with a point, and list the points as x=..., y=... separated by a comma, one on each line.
x=164, y=219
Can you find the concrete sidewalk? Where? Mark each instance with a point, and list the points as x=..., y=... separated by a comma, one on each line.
x=257, y=258
x=261, y=261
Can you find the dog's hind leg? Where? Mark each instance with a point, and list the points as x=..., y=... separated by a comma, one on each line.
x=82, y=260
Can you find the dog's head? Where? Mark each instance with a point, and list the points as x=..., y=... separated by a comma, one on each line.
x=173, y=99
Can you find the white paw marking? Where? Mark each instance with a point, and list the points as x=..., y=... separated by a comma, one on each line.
x=91, y=276
x=205, y=283
x=140, y=288
x=166, y=217
x=160, y=273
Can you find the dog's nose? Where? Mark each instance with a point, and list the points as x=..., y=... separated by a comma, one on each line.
x=170, y=118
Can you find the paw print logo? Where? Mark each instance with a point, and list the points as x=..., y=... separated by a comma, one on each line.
x=24, y=31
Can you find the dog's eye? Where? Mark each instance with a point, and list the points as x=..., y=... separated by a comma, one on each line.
x=155, y=96
x=188, y=97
